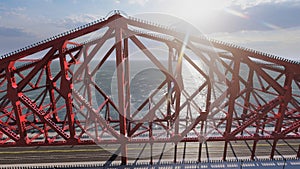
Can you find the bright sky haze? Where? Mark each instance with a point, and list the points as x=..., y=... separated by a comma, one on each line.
x=271, y=26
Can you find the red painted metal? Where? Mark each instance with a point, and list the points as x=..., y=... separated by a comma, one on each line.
x=259, y=100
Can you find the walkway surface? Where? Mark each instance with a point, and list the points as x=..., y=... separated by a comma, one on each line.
x=96, y=156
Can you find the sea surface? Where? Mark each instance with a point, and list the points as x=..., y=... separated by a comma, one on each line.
x=144, y=79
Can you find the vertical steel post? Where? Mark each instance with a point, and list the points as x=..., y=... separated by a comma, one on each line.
x=175, y=153
x=253, y=149
x=151, y=143
x=199, y=151
x=286, y=97
x=12, y=95
x=66, y=89
x=249, y=85
x=169, y=100
x=51, y=85
x=127, y=83
x=204, y=123
x=177, y=101
x=234, y=89
x=121, y=90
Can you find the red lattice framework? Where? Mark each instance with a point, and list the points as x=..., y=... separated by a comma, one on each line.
x=249, y=95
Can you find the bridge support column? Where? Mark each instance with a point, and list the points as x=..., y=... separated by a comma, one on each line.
x=123, y=87
x=66, y=88
x=12, y=95
x=233, y=91
x=287, y=95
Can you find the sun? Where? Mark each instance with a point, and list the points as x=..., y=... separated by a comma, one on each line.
x=198, y=10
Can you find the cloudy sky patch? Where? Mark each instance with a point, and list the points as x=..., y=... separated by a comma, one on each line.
x=268, y=25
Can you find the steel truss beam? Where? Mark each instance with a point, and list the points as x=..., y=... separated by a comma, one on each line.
x=249, y=95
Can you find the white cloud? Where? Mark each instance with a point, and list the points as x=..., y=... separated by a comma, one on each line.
x=140, y=2
x=79, y=19
x=247, y=4
x=284, y=42
x=39, y=27
x=18, y=9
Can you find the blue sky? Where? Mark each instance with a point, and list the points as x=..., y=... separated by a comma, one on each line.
x=271, y=26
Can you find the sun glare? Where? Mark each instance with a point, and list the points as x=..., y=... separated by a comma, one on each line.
x=198, y=10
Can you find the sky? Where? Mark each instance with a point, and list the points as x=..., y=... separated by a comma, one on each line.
x=271, y=26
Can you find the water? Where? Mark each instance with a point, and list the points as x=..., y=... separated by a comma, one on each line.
x=144, y=80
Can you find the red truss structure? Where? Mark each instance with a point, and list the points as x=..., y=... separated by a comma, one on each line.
x=49, y=94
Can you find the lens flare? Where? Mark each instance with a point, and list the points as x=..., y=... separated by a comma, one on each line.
x=236, y=13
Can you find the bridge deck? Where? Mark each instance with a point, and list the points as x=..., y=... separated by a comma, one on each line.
x=239, y=150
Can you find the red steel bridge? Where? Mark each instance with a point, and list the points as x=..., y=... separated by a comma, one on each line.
x=48, y=90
